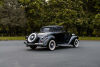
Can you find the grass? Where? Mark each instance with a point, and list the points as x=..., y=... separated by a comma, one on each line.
x=13, y=38
x=89, y=38
x=23, y=38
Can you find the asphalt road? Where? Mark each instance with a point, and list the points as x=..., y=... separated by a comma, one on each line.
x=15, y=54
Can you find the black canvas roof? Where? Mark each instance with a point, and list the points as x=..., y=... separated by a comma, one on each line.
x=53, y=26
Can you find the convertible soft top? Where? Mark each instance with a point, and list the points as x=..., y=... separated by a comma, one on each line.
x=54, y=26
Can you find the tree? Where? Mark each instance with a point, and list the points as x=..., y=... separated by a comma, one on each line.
x=12, y=17
x=77, y=16
x=34, y=13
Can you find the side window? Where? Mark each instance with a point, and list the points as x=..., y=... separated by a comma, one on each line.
x=60, y=29
x=55, y=30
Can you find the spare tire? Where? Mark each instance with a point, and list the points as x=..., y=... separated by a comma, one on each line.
x=32, y=37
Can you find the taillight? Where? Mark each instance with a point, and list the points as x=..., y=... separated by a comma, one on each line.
x=26, y=37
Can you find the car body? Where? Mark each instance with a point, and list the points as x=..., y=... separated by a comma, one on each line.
x=51, y=37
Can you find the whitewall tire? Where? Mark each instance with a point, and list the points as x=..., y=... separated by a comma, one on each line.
x=76, y=43
x=52, y=45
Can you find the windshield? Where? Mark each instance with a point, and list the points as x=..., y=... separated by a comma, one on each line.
x=51, y=29
x=46, y=29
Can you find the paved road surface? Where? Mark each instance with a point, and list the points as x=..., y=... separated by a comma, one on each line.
x=15, y=54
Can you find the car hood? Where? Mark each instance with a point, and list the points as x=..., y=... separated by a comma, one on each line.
x=43, y=34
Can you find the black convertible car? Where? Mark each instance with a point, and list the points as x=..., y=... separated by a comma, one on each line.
x=51, y=37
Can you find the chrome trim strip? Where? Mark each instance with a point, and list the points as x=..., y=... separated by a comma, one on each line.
x=39, y=43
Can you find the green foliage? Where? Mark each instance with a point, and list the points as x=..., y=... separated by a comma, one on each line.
x=0, y=3
x=12, y=17
x=81, y=17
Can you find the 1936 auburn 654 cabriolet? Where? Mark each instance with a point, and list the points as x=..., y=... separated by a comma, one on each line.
x=51, y=37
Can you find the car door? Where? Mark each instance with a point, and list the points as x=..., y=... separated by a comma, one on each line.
x=67, y=37
x=60, y=37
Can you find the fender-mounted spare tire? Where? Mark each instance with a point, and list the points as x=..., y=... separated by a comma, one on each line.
x=32, y=37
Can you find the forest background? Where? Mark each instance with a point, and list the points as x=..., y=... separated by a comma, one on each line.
x=22, y=17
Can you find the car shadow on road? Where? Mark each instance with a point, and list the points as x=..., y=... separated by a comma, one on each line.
x=46, y=49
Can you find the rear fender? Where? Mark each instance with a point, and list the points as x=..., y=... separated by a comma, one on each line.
x=72, y=39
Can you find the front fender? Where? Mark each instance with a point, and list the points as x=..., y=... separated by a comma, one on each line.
x=48, y=39
x=72, y=39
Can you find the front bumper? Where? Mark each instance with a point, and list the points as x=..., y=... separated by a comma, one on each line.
x=37, y=44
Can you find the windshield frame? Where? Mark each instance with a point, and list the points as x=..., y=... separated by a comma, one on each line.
x=52, y=29
x=42, y=29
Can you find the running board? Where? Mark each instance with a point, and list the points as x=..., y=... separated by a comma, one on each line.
x=63, y=44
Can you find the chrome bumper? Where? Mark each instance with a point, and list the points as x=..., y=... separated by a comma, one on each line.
x=38, y=44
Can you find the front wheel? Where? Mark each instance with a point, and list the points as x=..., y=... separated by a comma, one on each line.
x=33, y=47
x=76, y=43
x=52, y=45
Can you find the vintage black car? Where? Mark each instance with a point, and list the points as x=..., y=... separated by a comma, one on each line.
x=51, y=37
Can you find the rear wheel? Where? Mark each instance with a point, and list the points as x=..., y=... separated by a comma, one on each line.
x=75, y=43
x=33, y=47
x=52, y=45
